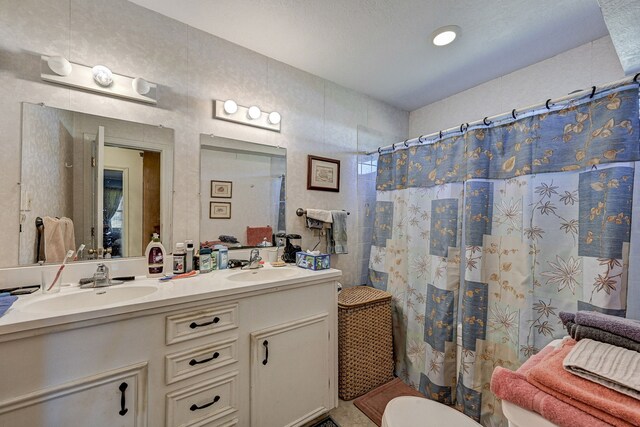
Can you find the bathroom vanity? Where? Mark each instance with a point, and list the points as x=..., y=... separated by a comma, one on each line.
x=231, y=348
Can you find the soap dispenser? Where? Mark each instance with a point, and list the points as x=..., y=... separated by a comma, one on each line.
x=156, y=257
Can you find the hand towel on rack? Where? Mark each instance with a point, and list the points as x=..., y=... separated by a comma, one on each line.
x=338, y=233
x=54, y=247
x=614, y=367
x=68, y=234
x=320, y=215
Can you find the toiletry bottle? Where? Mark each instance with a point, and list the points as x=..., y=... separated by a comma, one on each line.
x=155, y=256
x=179, y=258
x=223, y=257
x=188, y=265
x=205, y=260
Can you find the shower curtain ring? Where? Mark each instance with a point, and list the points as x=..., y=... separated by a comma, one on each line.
x=593, y=92
x=393, y=146
x=420, y=139
x=379, y=150
x=547, y=104
x=440, y=134
x=635, y=79
x=486, y=121
x=405, y=143
x=463, y=127
x=513, y=113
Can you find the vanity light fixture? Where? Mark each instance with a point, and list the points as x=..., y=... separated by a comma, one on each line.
x=102, y=75
x=141, y=86
x=445, y=35
x=59, y=65
x=251, y=116
x=254, y=113
x=274, y=117
x=230, y=106
x=100, y=79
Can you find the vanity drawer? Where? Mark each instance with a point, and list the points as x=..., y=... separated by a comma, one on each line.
x=202, y=403
x=198, y=360
x=201, y=322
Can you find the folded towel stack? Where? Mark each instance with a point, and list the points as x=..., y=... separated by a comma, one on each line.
x=591, y=379
x=6, y=301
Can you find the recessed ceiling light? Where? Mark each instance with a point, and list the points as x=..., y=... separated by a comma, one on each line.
x=445, y=35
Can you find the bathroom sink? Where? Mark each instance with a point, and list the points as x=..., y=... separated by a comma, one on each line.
x=89, y=298
x=263, y=274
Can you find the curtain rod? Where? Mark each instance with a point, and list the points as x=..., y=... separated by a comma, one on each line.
x=513, y=115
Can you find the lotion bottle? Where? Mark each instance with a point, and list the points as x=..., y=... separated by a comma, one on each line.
x=156, y=257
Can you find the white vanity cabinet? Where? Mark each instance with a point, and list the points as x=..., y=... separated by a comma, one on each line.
x=193, y=363
x=290, y=379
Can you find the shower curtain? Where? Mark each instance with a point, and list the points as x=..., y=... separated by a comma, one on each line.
x=514, y=224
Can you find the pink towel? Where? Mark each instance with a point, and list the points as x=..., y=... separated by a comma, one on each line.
x=513, y=387
x=608, y=405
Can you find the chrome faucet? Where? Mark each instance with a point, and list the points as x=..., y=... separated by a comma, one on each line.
x=254, y=260
x=101, y=278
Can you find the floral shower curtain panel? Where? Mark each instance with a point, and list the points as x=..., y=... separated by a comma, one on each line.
x=513, y=223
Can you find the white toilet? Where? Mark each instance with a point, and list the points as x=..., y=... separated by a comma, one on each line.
x=410, y=411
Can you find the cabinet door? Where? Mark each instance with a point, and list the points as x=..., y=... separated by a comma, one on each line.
x=114, y=399
x=290, y=378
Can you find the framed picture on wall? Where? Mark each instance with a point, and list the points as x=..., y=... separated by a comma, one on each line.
x=219, y=210
x=323, y=174
x=221, y=189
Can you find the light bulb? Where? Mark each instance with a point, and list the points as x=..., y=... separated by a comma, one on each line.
x=445, y=35
x=59, y=65
x=141, y=86
x=254, y=112
x=230, y=106
x=102, y=75
x=274, y=118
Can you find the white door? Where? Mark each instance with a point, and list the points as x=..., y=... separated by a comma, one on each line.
x=290, y=372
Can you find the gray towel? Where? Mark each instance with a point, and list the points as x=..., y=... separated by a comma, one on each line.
x=616, y=325
x=580, y=332
x=613, y=367
x=338, y=233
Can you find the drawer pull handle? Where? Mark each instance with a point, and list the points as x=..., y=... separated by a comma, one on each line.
x=194, y=325
x=194, y=362
x=123, y=401
x=265, y=343
x=195, y=407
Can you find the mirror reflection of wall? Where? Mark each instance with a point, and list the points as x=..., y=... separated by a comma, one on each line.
x=257, y=174
x=110, y=179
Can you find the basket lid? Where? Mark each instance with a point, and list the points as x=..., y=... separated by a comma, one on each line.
x=361, y=295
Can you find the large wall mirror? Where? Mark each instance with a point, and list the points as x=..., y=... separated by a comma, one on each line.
x=242, y=192
x=92, y=182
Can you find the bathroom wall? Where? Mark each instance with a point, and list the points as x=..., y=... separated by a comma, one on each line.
x=192, y=68
x=591, y=64
x=49, y=146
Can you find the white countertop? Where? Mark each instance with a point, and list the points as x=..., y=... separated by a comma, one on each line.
x=204, y=286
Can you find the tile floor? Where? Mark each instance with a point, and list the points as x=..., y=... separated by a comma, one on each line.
x=347, y=415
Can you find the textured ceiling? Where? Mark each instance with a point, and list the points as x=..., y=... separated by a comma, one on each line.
x=382, y=47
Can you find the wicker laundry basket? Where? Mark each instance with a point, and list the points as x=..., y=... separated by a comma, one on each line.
x=365, y=341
